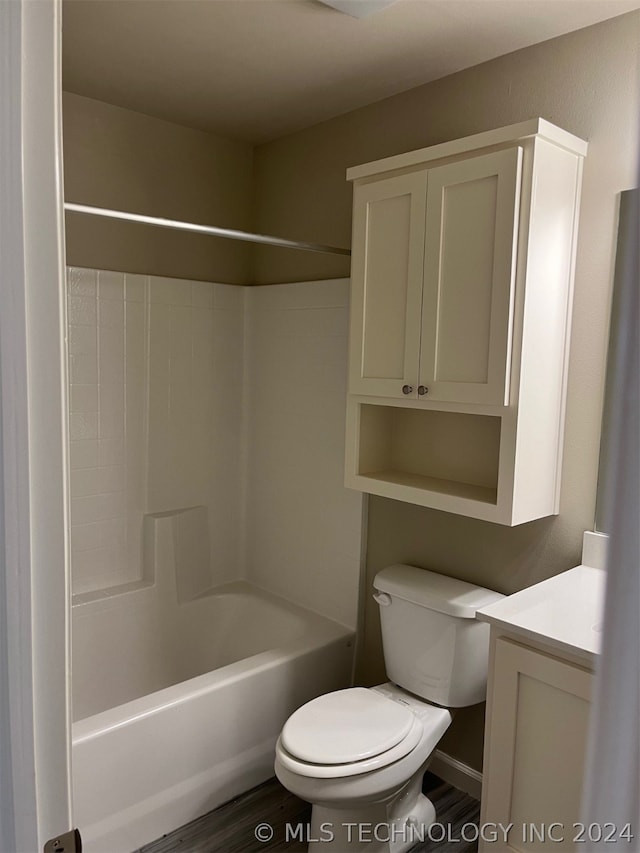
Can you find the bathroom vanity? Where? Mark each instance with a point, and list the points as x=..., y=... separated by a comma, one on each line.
x=462, y=275
x=544, y=643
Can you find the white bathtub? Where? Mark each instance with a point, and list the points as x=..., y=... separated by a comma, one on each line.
x=178, y=706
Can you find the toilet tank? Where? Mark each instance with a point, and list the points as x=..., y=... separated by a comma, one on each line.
x=434, y=647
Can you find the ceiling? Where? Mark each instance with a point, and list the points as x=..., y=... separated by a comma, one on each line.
x=259, y=69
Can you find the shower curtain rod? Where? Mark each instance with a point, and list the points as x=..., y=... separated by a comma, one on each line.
x=204, y=229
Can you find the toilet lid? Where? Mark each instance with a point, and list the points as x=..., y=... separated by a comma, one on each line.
x=355, y=768
x=346, y=726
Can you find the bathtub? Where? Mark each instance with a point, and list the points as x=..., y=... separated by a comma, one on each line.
x=178, y=706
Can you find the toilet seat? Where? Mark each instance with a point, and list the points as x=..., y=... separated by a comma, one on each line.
x=346, y=726
x=346, y=733
x=337, y=771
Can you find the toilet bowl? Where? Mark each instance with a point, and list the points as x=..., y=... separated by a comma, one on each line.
x=359, y=755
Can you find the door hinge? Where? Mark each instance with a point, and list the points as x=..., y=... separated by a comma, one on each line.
x=70, y=842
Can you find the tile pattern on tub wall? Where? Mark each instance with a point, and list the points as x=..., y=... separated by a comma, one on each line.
x=83, y=453
x=156, y=370
x=135, y=286
x=83, y=340
x=180, y=345
x=81, y=282
x=95, y=569
x=158, y=485
x=85, y=537
x=111, y=355
x=202, y=294
x=169, y=291
x=228, y=297
x=135, y=343
x=98, y=355
x=111, y=451
x=85, y=510
x=305, y=295
x=195, y=404
x=83, y=425
x=83, y=398
x=111, y=313
x=83, y=355
x=85, y=481
x=298, y=510
x=81, y=310
x=181, y=338
x=110, y=285
x=295, y=322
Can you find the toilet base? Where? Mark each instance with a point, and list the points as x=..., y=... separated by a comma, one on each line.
x=394, y=826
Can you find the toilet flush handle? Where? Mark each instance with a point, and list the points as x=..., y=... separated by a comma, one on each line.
x=383, y=598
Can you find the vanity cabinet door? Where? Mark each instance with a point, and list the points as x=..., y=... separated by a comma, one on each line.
x=537, y=725
x=469, y=275
x=386, y=297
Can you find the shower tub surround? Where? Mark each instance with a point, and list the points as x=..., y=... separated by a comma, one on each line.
x=201, y=690
x=156, y=378
x=215, y=553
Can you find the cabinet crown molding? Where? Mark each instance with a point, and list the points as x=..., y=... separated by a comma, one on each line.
x=513, y=133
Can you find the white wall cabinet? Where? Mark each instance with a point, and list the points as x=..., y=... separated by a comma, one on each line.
x=536, y=734
x=436, y=268
x=462, y=276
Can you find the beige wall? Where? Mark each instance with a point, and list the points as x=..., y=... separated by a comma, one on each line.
x=587, y=83
x=124, y=160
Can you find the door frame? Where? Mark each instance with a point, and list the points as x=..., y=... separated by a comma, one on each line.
x=35, y=726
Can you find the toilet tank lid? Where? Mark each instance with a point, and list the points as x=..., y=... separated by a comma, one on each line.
x=435, y=591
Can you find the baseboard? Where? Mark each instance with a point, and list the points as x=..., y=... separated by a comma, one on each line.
x=456, y=773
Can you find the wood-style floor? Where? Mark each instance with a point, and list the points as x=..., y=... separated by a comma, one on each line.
x=231, y=828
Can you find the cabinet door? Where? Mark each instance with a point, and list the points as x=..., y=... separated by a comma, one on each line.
x=470, y=253
x=537, y=734
x=386, y=298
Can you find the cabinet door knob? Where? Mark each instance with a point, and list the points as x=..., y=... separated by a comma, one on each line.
x=422, y=390
x=407, y=389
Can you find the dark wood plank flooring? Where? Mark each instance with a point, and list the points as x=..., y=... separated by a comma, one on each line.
x=231, y=827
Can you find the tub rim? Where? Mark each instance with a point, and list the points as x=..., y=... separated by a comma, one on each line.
x=318, y=631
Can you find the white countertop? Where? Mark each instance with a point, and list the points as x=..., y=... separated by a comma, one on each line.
x=564, y=612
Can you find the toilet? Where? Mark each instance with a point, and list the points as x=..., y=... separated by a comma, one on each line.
x=359, y=755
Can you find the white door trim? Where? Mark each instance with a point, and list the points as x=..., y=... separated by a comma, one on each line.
x=35, y=791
